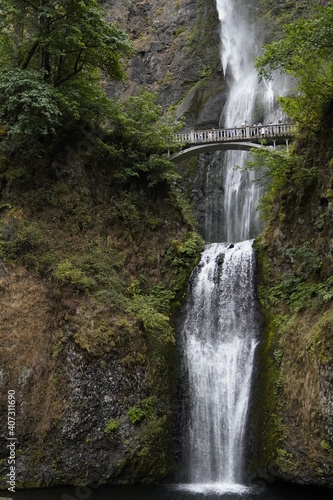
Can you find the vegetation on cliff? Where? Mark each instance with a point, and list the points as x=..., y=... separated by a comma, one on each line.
x=94, y=229
x=295, y=263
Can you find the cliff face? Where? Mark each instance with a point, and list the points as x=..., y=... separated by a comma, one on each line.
x=178, y=55
x=90, y=278
x=86, y=341
x=293, y=397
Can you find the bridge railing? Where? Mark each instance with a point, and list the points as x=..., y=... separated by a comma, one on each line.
x=236, y=133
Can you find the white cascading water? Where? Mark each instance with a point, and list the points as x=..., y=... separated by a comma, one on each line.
x=238, y=195
x=220, y=327
x=238, y=51
x=220, y=333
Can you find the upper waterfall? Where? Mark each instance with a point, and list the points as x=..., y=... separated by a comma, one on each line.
x=238, y=49
x=228, y=198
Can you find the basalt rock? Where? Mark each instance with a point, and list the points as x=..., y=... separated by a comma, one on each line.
x=178, y=55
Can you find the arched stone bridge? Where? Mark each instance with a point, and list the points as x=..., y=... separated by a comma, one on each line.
x=239, y=138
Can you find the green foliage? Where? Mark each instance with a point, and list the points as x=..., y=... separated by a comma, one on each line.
x=67, y=274
x=96, y=271
x=136, y=414
x=303, y=258
x=112, y=427
x=30, y=109
x=154, y=322
x=280, y=321
x=320, y=345
x=126, y=209
x=281, y=173
x=278, y=355
x=61, y=38
x=140, y=138
x=306, y=53
x=28, y=104
x=146, y=408
x=286, y=460
x=325, y=445
x=51, y=58
x=161, y=298
x=184, y=255
x=300, y=286
x=18, y=236
x=181, y=255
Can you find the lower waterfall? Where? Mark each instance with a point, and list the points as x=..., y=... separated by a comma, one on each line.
x=219, y=336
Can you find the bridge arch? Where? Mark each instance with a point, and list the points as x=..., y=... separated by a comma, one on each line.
x=210, y=148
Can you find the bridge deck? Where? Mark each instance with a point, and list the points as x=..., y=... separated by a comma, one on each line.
x=247, y=134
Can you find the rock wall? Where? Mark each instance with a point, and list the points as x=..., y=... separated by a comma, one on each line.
x=293, y=403
x=178, y=55
x=77, y=368
x=94, y=371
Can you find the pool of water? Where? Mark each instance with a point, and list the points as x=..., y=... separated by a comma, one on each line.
x=173, y=492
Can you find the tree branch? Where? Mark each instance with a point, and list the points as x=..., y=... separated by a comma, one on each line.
x=30, y=55
x=31, y=4
x=68, y=77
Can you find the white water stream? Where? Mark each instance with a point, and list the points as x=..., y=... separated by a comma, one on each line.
x=220, y=327
x=238, y=49
x=220, y=335
x=231, y=213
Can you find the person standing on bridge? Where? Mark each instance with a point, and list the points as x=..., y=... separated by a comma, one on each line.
x=279, y=123
x=260, y=129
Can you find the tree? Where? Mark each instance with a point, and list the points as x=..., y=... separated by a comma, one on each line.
x=306, y=53
x=139, y=139
x=51, y=58
x=61, y=38
x=29, y=105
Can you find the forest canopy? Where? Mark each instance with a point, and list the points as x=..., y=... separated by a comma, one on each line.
x=52, y=56
x=60, y=39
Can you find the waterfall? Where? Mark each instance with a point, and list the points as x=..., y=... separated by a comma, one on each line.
x=231, y=211
x=238, y=49
x=220, y=334
x=220, y=327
